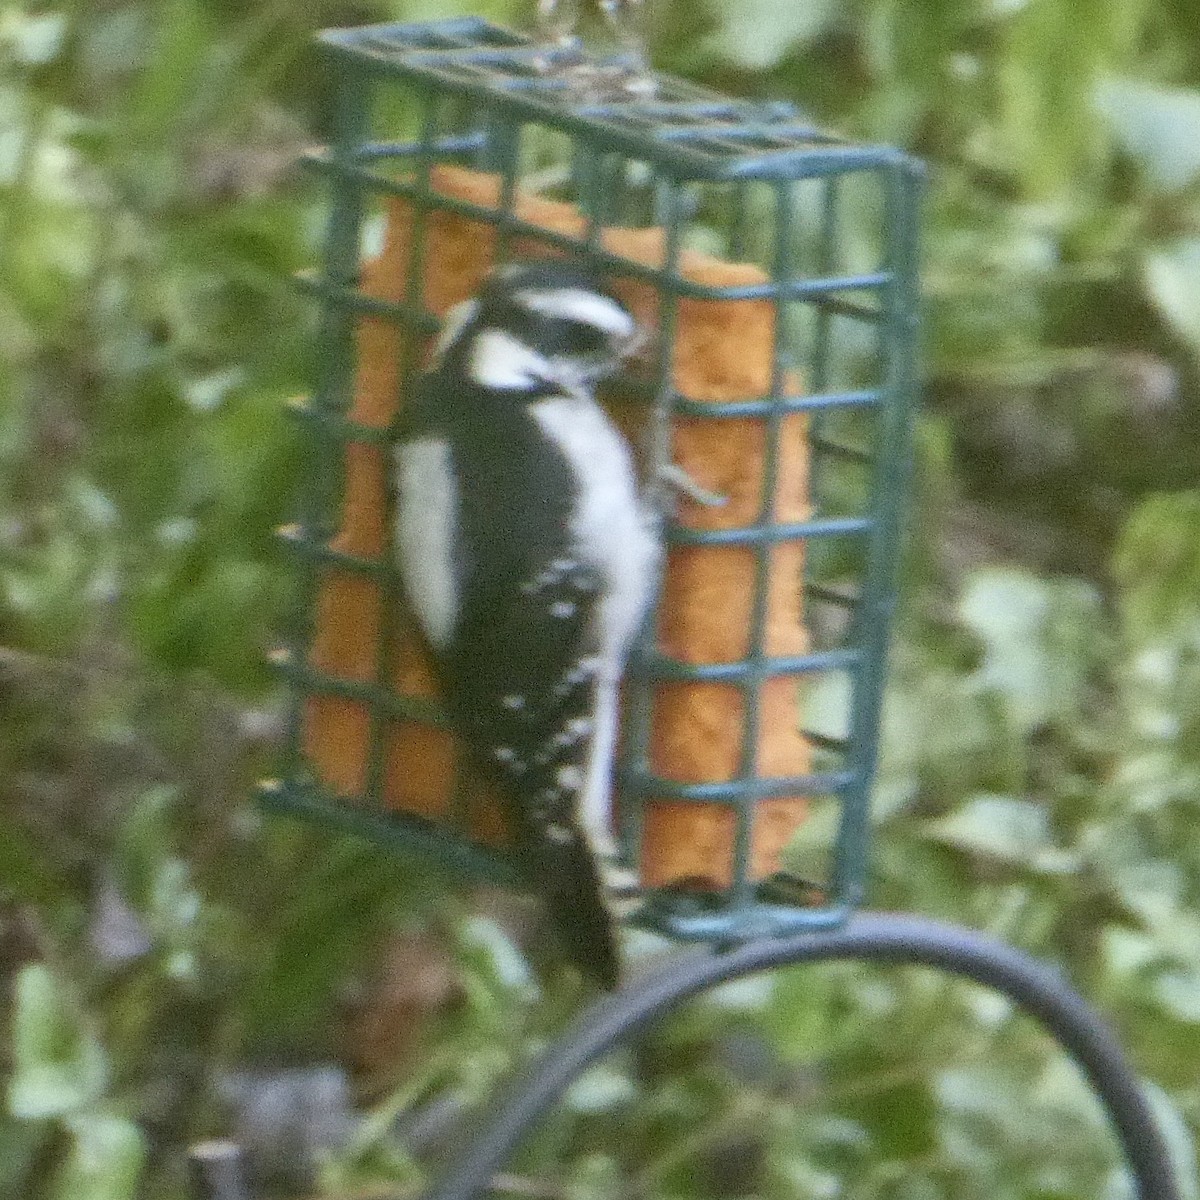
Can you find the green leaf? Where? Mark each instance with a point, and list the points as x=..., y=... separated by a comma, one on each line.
x=899, y=1109
x=33, y=40
x=1153, y=889
x=1178, y=991
x=1172, y=275
x=756, y=34
x=105, y=1161
x=167, y=86
x=1158, y=127
x=156, y=882
x=144, y=844
x=601, y=1089
x=491, y=948
x=59, y=1066
x=1038, y=640
x=1157, y=564
x=1127, y=952
x=595, y=1177
x=26, y=870
x=1000, y=827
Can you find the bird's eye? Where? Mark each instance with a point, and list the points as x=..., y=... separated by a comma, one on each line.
x=583, y=339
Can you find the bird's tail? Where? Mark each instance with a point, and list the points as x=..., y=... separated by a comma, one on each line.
x=560, y=867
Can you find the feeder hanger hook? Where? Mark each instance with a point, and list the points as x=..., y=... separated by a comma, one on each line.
x=558, y=21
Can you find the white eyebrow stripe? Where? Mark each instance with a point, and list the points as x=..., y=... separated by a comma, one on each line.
x=454, y=322
x=578, y=304
x=499, y=360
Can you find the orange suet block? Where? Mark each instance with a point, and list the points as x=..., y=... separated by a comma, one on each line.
x=723, y=351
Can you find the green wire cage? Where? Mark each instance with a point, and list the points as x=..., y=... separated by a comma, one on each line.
x=791, y=227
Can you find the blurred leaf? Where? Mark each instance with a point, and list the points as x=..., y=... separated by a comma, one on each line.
x=144, y=843
x=1037, y=638
x=168, y=83
x=1178, y=991
x=59, y=1067
x=1000, y=827
x=1156, y=126
x=1153, y=889
x=380, y=1161
x=595, y=1177
x=899, y=1109
x=1157, y=564
x=25, y=870
x=492, y=948
x=1127, y=951
x=600, y=1089
x=33, y=39
x=1172, y=276
x=105, y=1160
x=755, y=34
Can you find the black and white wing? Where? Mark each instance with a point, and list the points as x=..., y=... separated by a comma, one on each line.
x=522, y=682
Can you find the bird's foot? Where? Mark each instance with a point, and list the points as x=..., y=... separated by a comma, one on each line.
x=678, y=480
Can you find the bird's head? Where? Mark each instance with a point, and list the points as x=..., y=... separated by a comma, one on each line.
x=535, y=323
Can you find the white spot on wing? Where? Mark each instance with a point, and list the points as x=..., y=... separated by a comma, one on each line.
x=553, y=575
x=570, y=778
x=562, y=609
x=499, y=360
x=425, y=521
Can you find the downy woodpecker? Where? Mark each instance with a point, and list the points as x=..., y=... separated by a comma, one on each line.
x=528, y=557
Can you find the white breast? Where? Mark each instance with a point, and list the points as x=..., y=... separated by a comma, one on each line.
x=427, y=507
x=613, y=532
x=610, y=527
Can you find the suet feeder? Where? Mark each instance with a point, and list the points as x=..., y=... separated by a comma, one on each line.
x=775, y=266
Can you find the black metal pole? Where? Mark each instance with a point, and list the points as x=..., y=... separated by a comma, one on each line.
x=217, y=1171
x=869, y=937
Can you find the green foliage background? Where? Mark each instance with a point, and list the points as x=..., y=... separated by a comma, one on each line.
x=1042, y=752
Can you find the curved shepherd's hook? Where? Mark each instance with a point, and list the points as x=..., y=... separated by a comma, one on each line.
x=869, y=937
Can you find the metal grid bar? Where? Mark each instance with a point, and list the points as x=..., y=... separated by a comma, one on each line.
x=750, y=669
x=873, y=618
x=320, y=683
x=637, y=721
x=340, y=262
x=790, y=531
x=741, y=789
x=350, y=430
x=407, y=834
x=666, y=279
